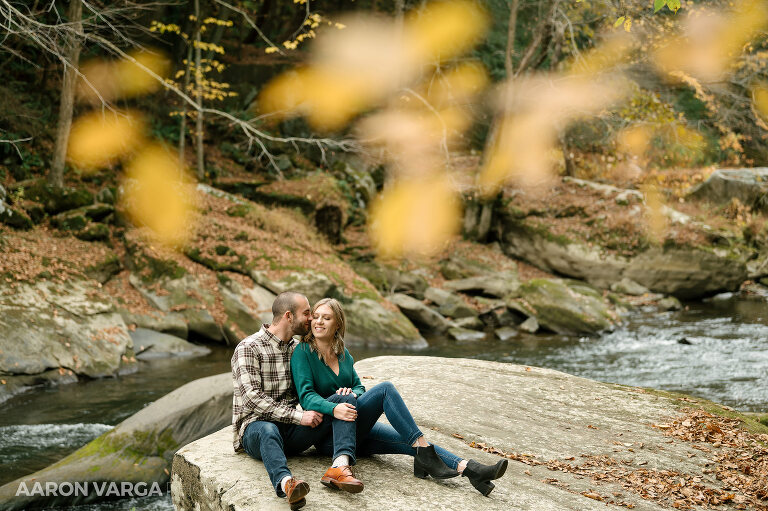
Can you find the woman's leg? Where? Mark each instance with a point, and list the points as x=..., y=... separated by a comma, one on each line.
x=344, y=432
x=384, y=439
x=384, y=398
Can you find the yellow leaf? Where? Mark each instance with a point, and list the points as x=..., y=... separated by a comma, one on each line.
x=443, y=30
x=159, y=194
x=414, y=217
x=99, y=138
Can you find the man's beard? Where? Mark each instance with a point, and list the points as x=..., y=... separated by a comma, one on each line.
x=300, y=327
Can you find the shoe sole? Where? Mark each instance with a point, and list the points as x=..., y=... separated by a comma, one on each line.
x=298, y=495
x=501, y=470
x=298, y=504
x=336, y=485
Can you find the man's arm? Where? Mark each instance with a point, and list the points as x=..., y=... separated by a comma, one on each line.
x=247, y=373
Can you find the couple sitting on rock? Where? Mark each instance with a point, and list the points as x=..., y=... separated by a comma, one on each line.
x=339, y=416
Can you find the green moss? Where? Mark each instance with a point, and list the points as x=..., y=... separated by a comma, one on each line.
x=239, y=210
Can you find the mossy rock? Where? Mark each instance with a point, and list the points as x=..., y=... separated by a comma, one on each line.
x=93, y=232
x=69, y=222
x=567, y=307
x=15, y=218
x=149, y=267
x=56, y=200
x=104, y=270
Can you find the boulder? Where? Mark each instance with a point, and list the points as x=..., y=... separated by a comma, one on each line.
x=371, y=324
x=599, y=429
x=530, y=325
x=139, y=449
x=505, y=333
x=567, y=306
x=464, y=335
x=185, y=295
x=410, y=283
x=14, y=218
x=628, y=286
x=67, y=325
x=684, y=272
x=105, y=269
x=149, y=344
x=421, y=315
x=687, y=273
x=312, y=284
x=449, y=304
x=749, y=185
x=171, y=323
x=55, y=200
x=93, y=232
x=558, y=254
x=670, y=303
x=473, y=323
x=500, y=285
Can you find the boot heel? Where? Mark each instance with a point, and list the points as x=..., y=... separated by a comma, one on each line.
x=484, y=487
x=419, y=472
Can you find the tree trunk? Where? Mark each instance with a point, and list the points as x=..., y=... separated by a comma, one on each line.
x=69, y=83
x=511, y=38
x=199, y=97
x=185, y=88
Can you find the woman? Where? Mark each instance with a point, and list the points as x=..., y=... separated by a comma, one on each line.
x=327, y=382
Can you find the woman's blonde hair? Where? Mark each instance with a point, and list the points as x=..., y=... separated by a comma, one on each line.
x=337, y=345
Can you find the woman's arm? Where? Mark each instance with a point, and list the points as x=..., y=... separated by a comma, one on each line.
x=305, y=385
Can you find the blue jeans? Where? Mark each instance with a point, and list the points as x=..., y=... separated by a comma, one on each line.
x=270, y=442
x=377, y=438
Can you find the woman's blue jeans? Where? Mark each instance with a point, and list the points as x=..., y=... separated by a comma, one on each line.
x=373, y=437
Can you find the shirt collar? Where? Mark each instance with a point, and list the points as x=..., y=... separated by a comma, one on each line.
x=273, y=338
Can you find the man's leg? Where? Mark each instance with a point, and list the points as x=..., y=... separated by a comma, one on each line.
x=262, y=440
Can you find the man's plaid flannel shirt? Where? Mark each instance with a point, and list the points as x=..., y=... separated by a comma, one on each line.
x=263, y=386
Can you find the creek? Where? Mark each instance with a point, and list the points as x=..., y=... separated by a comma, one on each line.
x=717, y=350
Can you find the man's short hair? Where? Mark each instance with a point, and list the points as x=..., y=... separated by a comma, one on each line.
x=286, y=301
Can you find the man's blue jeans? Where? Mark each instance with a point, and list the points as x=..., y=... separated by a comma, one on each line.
x=271, y=442
x=378, y=438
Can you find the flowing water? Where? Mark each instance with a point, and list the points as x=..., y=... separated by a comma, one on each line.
x=717, y=350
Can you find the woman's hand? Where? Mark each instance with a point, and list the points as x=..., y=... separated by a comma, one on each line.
x=345, y=412
x=345, y=390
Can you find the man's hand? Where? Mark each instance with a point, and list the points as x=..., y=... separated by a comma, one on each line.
x=345, y=390
x=311, y=418
x=345, y=412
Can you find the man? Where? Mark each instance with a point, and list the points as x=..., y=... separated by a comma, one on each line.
x=265, y=420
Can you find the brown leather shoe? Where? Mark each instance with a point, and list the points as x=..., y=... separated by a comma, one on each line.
x=295, y=491
x=342, y=478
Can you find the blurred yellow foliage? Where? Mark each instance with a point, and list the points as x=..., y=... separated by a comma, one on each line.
x=657, y=219
x=444, y=30
x=634, y=140
x=712, y=40
x=357, y=68
x=414, y=217
x=124, y=78
x=98, y=139
x=159, y=194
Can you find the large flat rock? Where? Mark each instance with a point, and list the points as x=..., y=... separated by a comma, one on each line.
x=535, y=415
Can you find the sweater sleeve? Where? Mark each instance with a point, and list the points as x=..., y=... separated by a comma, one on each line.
x=357, y=386
x=305, y=386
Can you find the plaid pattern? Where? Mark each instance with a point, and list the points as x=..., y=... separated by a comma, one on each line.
x=263, y=386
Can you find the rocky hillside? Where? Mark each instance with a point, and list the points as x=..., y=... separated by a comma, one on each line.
x=83, y=293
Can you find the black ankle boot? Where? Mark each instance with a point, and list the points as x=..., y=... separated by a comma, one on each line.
x=427, y=462
x=481, y=475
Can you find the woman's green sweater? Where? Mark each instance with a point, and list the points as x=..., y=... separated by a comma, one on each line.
x=315, y=381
